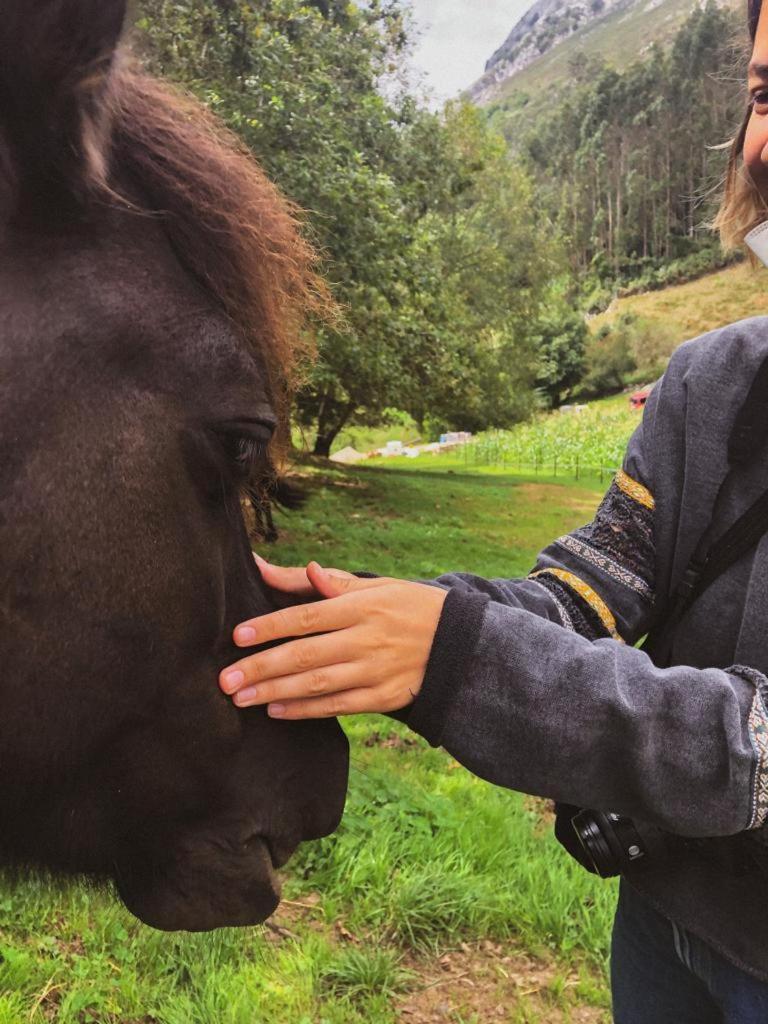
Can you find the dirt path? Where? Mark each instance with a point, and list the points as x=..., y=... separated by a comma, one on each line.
x=487, y=982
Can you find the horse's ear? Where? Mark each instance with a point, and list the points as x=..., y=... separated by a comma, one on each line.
x=55, y=60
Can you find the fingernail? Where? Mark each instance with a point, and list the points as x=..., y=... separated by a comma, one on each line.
x=259, y=559
x=247, y=696
x=246, y=636
x=232, y=680
x=276, y=710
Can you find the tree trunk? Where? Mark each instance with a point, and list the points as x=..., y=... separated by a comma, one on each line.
x=326, y=435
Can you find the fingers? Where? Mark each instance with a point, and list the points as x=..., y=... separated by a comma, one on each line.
x=287, y=580
x=297, y=657
x=298, y=620
x=320, y=682
x=305, y=619
x=349, y=702
x=335, y=582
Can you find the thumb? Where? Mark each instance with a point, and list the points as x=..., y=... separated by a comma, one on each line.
x=335, y=582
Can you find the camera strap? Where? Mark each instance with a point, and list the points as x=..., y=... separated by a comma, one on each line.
x=712, y=558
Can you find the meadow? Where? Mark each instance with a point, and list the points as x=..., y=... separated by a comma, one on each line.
x=688, y=310
x=440, y=898
x=584, y=442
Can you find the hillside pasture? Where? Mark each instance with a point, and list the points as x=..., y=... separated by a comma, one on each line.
x=689, y=310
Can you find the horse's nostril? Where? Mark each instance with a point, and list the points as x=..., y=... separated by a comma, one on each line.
x=279, y=852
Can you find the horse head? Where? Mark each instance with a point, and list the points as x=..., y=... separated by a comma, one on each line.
x=153, y=288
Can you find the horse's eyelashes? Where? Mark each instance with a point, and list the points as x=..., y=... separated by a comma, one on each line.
x=245, y=451
x=250, y=451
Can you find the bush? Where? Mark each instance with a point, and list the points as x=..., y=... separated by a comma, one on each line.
x=632, y=349
x=609, y=360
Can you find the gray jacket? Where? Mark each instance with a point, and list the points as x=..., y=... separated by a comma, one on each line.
x=535, y=684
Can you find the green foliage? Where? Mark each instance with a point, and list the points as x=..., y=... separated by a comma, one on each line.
x=432, y=244
x=609, y=359
x=593, y=438
x=624, y=165
x=561, y=346
x=629, y=349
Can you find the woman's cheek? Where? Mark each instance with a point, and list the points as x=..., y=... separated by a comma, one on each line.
x=756, y=151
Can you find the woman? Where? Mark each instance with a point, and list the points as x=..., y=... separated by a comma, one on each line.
x=535, y=684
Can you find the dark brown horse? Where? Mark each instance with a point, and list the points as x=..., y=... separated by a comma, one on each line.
x=153, y=289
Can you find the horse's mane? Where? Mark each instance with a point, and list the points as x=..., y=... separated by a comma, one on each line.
x=230, y=226
x=81, y=121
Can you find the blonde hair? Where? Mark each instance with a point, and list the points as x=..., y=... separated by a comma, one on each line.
x=742, y=207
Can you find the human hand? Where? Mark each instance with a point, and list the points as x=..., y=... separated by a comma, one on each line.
x=363, y=649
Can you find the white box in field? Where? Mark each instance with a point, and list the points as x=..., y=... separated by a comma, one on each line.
x=757, y=240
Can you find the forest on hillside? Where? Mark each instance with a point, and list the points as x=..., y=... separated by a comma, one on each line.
x=463, y=266
x=629, y=163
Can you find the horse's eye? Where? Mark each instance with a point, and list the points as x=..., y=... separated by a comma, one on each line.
x=245, y=443
x=249, y=451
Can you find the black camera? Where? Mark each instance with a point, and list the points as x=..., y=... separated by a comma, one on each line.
x=610, y=842
x=606, y=844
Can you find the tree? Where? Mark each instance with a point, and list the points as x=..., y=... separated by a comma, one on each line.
x=561, y=344
x=431, y=246
x=624, y=165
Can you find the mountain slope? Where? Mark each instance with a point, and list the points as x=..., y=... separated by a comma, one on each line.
x=542, y=27
x=535, y=57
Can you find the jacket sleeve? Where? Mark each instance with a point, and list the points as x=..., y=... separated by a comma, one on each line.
x=535, y=685
x=599, y=580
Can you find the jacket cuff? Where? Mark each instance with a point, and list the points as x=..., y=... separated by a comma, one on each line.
x=450, y=660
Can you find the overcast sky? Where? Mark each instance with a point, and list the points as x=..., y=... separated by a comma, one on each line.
x=458, y=37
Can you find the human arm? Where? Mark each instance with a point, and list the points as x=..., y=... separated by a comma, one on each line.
x=524, y=701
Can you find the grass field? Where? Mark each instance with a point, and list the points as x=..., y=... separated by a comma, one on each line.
x=441, y=898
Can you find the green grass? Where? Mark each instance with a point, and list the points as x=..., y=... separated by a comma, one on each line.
x=428, y=857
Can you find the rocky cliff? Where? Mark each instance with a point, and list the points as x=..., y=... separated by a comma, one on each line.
x=541, y=28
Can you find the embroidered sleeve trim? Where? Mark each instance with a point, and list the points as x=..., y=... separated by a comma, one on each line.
x=635, y=490
x=758, y=735
x=562, y=611
x=619, y=541
x=608, y=565
x=587, y=594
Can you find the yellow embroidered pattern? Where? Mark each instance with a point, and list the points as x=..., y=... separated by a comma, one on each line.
x=635, y=490
x=593, y=599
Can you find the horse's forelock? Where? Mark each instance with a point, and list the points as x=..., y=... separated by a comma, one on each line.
x=230, y=226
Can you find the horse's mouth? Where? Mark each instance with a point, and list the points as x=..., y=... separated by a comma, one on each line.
x=236, y=886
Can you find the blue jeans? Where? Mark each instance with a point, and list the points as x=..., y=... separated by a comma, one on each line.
x=661, y=974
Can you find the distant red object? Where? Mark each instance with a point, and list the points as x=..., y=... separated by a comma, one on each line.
x=638, y=400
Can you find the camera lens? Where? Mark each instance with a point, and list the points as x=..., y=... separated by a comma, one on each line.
x=610, y=842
